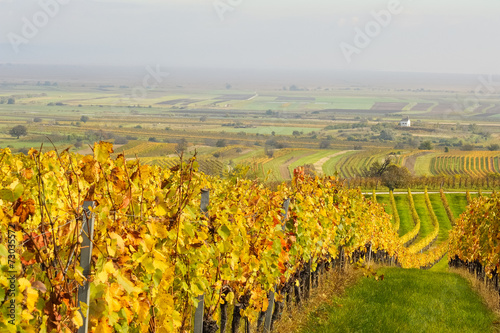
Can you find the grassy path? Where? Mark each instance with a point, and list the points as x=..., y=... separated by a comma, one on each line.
x=426, y=226
x=457, y=202
x=404, y=214
x=384, y=200
x=405, y=301
x=444, y=222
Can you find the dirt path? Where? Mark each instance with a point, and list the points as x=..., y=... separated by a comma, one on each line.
x=284, y=170
x=410, y=161
x=318, y=166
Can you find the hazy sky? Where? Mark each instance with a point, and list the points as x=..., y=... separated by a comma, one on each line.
x=445, y=36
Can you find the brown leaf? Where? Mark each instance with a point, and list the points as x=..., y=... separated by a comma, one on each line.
x=38, y=285
x=24, y=209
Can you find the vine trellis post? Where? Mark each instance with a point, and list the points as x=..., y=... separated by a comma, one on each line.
x=199, y=313
x=85, y=258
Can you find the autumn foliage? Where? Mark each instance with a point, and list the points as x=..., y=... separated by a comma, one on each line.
x=154, y=251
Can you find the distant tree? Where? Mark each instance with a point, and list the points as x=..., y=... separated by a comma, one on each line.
x=120, y=140
x=84, y=119
x=324, y=144
x=494, y=147
x=181, y=145
x=11, y=101
x=78, y=144
x=221, y=143
x=152, y=139
x=446, y=149
x=18, y=131
x=426, y=145
x=377, y=169
x=296, y=133
x=269, y=150
x=228, y=86
x=473, y=128
x=273, y=133
x=37, y=120
x=467, y=147
x=269, y=112
x=203, y=118
x=396, y=177
x=386, y=135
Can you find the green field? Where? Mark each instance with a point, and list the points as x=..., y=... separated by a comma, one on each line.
x=405, y=301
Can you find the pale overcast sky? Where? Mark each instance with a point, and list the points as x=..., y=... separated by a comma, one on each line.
x=444, y=36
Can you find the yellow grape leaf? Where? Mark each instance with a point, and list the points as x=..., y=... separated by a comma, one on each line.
x=119, y=240
x=142, y=310
x=84, y=308
x=230, y=297
x=103, y=327
x=161, y=209
x=23, y=284
x=31, y=299
x=77, y=319
x=26, y=315
x=102, y=151
x=126, y=284
x=109, y=268
x=113, y=303
x=102, y=277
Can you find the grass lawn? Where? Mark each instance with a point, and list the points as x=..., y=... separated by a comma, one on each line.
x=406, y=222
x=405, y=301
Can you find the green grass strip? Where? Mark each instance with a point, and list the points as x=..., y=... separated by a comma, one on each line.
x=428, y=215
x=407, y=301
x=457, y=202
x=449, y=212
x=412, y=234
x=440, y=211
x=384, y=200
x=397, y=220
x=406, y=223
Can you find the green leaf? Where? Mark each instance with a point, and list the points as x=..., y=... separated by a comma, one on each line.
x=12, y=195
x=224, y=232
